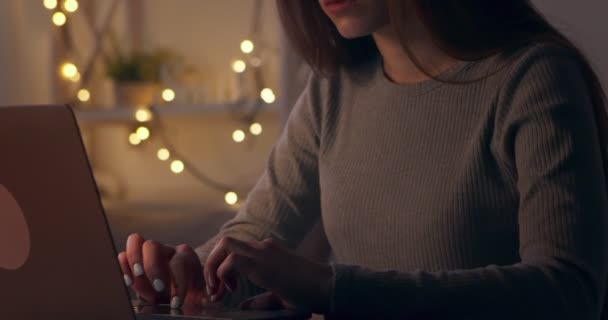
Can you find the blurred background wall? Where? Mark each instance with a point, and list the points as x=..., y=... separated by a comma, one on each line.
x=207, y=34
x=143, y=194
x=25, y=42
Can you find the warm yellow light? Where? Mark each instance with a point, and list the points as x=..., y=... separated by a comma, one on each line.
x=177, y=166
x=238, y=136
x=70, y=5
x=50, y=4
x=168, y=95
x=143, y=115
x=68, y=70
x=134, y=139
x=231, y=198
x=163, y=154
x=143, y=133
x=247, y=46
x=239, y=66
x=76, y=77
x=84, y=95
x=267, y=95
x=255, y=129
x=59, y=18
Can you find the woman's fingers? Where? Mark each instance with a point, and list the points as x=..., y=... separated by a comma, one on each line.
x=126, y=270
x=187, y=274
x=156, y=266
x=134, y=256
x=158, y=272
x=219, y=293
x=229, y=271
x=217, y=256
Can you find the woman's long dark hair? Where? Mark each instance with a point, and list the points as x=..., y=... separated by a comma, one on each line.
x=464, y=29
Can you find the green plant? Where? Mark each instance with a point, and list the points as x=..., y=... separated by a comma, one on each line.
x=137, y=67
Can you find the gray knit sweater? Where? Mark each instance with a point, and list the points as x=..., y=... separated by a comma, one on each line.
x=480, y=200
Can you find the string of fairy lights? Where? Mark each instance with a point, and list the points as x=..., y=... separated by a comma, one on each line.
x=147, y=118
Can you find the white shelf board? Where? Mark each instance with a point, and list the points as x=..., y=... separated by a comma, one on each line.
x=118, y=114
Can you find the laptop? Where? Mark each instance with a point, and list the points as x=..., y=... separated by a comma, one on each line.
x=57, y=257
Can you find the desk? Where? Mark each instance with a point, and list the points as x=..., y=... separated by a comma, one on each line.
x=163, y=312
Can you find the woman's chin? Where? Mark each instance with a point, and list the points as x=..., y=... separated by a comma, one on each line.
x=350, y=31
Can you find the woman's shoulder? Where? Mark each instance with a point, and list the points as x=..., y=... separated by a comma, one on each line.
x=542, y=77
x=548, y=67
x=528, y=60
x=546, y=64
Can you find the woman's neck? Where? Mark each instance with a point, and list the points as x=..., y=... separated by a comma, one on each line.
x=398, y=65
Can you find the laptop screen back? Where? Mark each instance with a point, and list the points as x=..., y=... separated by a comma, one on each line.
x=57, y=259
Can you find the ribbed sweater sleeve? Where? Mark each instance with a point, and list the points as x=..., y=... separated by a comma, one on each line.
x=284, y=204
x=545, y=133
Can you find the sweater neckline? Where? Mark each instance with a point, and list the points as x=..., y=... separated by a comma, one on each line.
x=420, y=87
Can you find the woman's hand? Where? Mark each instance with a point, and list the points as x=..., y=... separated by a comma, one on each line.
x=159, y=273
x=265, y=301
x=296, y=281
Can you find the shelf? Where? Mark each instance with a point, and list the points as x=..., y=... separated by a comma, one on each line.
x=100, y=115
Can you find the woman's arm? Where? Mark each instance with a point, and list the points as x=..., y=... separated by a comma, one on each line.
x=284, y=204
x=546, y=132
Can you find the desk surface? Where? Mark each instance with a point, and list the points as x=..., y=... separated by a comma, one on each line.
x=163, y=312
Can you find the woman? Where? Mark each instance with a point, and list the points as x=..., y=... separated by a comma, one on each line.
x=451, y=149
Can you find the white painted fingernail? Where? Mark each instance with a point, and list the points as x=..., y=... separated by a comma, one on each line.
x=128, y=280
x=176, y=303
x=213, y=298
x=158, y=285
x=138, y=271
